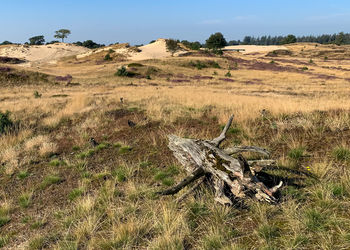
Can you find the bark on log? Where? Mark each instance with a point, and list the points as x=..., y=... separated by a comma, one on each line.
x=231, y=178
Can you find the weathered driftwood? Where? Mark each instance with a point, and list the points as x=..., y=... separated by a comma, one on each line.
x=231, y=178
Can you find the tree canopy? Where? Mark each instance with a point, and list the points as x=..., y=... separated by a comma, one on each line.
x=62, y=34
x=37, y=40
x=172, y=46
x=289, y=39
x=216, y=41
x=89, y=44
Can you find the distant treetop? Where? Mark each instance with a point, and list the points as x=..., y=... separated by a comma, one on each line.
x=89, y=44
x=37, y=40
x=62, y=34
x=216, y=41
x=341, y=38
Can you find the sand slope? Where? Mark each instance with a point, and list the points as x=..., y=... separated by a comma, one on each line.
x=154, y=50
x=42, y=53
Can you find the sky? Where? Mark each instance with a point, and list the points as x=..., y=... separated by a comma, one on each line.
x=140, y=21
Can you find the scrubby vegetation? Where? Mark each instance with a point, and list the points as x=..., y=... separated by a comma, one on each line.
x=12, y=77
x=62, y=190
x=124, y=72
x=89, y=44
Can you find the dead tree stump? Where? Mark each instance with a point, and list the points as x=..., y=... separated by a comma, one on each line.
x=231, y=178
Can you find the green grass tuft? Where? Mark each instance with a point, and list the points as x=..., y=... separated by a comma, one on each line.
x=4, y=240
x=315, y=220
x=50, y=180
x=268, y=232
x=75, y=193
x=23, y=174
x=124, y=149
x=4, y=219
x=341, y=154
x=166, y=176
x=56, y=163
x=25, y=200
x=296, y=154
x=120, y=173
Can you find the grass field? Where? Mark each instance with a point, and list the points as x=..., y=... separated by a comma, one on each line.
x=59, y=192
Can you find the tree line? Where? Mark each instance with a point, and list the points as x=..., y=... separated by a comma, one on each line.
x=215, y=41
x=339, y=39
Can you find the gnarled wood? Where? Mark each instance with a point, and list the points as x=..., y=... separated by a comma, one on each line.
x=217, y=141
x=229, y=176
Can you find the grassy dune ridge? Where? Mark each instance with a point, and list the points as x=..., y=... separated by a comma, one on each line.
x=59, y=192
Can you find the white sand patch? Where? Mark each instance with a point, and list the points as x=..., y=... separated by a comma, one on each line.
x=154, y=50
x=246, y=49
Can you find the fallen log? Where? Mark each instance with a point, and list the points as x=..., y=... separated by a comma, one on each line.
x=232, y=179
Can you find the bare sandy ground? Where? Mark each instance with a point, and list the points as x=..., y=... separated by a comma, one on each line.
x=50, y=54
x=41, y=53
x=154, y=50
x=246, y=49
x=123, y=48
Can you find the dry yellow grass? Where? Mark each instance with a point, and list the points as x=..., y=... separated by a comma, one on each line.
x=103, y=197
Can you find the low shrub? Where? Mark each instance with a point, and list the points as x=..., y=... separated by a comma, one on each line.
x=108, y=57
x=136, y=65
x=37, y=94
x=228, y=74
x=123, y=72
x=5, y=122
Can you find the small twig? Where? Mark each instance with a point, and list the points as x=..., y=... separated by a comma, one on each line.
x=190, y=178
x=182, y=197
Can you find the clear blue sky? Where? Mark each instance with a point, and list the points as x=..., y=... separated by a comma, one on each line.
x=140, y=21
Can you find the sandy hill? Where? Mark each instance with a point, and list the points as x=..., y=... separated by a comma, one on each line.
x=42, y=53
x=154, y=50
x=123, y=48
x=123, y=52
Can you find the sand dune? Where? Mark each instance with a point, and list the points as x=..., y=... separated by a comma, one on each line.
x=41, y=53
x=154, y=50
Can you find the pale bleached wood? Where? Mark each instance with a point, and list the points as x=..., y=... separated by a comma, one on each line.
x=203, y=157
x=253, y=149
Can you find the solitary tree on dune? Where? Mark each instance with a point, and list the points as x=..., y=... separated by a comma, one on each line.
x=172, y=46
x=62, y=34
